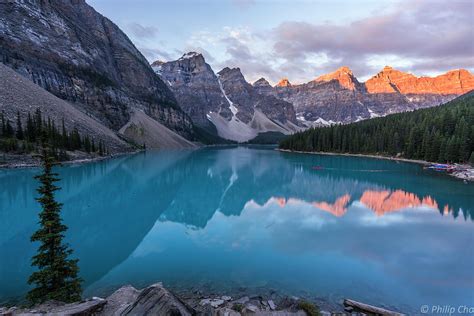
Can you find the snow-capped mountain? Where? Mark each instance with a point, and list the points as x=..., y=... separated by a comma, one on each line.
x=224, y=103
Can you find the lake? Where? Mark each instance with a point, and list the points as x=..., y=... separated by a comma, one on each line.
x=224, y=218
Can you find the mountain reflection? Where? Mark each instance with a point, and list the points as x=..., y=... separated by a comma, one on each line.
x=112, y=206
x=380, y=202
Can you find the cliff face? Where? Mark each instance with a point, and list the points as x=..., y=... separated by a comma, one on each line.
x=339, y=97
x=390, y=80
x=225, y=102
x=72, y=51
x=195, y=86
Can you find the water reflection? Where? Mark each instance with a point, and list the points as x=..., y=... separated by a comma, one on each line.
x=380, y=202
x=252, y=217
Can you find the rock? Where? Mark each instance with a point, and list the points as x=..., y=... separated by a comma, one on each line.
x=213, y=302
x=19, y=94
x=272, y=305
x=226, y=103
x=227, y=312
x=242, y=300
x=251, y=308
x=217, y=302
x=324, y=313
x=82, y=57
x=120, y=300
x=156, y=300
x=226, y=298
x=88, y=307
x=205, y=301
x=338, y=97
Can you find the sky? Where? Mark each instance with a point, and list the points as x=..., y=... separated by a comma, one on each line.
x=302, y=39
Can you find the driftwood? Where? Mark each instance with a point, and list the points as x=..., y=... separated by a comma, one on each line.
x=368, y=309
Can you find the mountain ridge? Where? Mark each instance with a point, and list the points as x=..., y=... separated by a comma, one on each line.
x=82, y=57
x=339, y=97
x=224, y=103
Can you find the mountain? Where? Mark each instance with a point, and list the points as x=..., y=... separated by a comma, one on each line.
x=224, y=104
x=338, y=97
x=438, y=134
x=20, y=95
x=78, y=55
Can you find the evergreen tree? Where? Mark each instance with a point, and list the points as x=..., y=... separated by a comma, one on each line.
x=57, y=275
x=8, y=130
x=444, y=133
x=19, y=127
x=4, y=126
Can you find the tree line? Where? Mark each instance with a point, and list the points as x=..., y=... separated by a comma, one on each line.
x=439, y=134
x=26, y=136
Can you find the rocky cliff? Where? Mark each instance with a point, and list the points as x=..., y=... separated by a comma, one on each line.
x=224, y=103
x=75, y=53
x=339, y=97
x=19, y=95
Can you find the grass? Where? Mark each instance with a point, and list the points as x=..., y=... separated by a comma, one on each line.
x=309, y=308
x=238, y=307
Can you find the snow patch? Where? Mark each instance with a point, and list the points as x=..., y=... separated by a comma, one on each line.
x=189, y=55
x=372, y=113
x=232, y=107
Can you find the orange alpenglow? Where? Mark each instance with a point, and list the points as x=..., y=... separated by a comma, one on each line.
x=390, y=80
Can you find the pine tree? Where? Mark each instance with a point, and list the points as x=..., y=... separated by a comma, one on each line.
x=8, y=130
x=57, y=275
x=19, y=127
x=4, y=126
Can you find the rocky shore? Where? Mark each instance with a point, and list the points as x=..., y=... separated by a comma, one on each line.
x=466, y=174
x=17, y=161
x=157, y=300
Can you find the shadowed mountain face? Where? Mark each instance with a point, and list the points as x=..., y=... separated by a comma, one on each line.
x=339, y=97
x=225, y=102
x=80, y=56
x=112, y=207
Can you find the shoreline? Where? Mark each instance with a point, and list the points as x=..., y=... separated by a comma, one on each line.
x=466, y=176
x=157, y=299
x=78, y=161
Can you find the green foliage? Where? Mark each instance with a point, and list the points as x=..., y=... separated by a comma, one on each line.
x=267, y=138
x=208, y=136
x=27, y=139
x=238, y=307
x=57, y=275
x=309, y=308
x=439, y=134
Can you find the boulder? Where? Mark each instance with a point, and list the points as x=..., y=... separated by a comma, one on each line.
x=156, y=300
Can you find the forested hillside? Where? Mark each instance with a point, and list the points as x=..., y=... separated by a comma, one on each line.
x=440, y=134
x=26, y=137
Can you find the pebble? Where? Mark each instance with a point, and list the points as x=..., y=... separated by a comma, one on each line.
x=272, y=305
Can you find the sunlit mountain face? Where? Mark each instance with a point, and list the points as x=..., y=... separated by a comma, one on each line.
x=219, y=219
x=380, y=202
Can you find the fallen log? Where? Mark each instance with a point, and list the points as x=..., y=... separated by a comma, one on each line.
x=368, y=309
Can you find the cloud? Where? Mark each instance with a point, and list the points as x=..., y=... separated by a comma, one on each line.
x=142, y=32
x=428, y=33
x=153, y=54
x=420, y=36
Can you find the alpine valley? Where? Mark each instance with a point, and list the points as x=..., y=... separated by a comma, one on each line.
x=79, y=67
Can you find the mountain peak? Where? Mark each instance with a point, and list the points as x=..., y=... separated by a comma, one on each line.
x=262, y=82
x=390, y=80
x=191, y=55
x=157, y=63
x=343, y=75
x=344, y=69
x=284, y=83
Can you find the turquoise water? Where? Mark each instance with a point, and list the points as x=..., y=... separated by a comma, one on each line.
x=220, y=218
